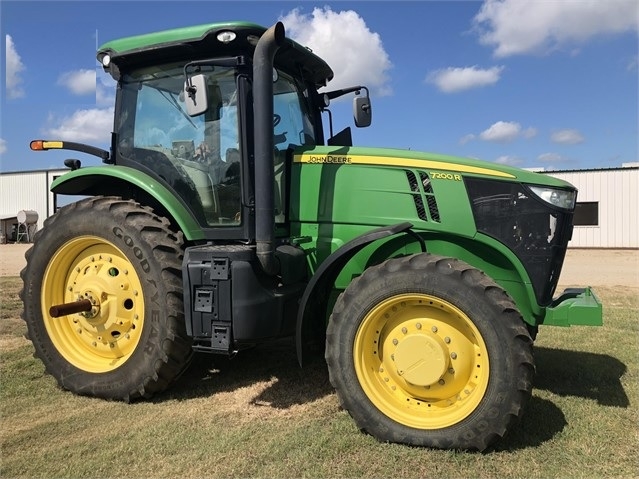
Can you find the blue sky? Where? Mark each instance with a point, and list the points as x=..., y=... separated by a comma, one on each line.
x=526, y=83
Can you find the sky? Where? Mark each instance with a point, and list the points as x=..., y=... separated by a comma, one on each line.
x=528, y=83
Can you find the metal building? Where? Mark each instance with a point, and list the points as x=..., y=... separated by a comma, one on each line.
x=21, y=194
x=607, y=214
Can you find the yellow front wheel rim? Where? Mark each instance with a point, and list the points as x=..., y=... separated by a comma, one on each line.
x=100, y=340
x=421, y=361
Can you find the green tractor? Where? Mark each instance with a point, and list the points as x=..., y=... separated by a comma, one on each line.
x=226, y=216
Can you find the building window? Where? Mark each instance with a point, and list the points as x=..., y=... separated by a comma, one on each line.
x=586, y=214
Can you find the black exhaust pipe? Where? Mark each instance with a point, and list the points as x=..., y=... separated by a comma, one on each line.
x=263, y=58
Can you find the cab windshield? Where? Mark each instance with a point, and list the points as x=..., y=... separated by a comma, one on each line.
x=198, y=157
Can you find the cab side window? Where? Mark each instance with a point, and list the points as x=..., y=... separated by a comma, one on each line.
x=292, y=126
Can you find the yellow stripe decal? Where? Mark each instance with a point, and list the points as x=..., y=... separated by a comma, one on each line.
x=394, y=161
x=52, y=144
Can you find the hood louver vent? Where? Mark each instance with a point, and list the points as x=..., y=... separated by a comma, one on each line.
x=430, y=197
x=423, y=195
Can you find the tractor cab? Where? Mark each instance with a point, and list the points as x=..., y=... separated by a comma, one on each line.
x=186, y=117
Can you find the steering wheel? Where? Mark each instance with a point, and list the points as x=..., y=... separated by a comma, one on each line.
x=276, y=119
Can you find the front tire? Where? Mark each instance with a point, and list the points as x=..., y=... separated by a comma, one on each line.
x=428, y=351
x=126, y=261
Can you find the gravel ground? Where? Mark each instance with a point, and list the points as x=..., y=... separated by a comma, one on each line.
x=583, y=267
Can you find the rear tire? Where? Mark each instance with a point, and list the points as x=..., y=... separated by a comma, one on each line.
x=127, y=262
x=428, y=351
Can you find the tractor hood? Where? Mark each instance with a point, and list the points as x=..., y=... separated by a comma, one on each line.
x=442, y=164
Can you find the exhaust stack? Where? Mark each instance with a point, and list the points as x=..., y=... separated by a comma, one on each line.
x=263, y=58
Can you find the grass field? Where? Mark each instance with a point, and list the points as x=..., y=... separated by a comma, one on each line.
x=259, y=415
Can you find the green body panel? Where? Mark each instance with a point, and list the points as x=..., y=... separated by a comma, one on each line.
x=84, y=181
x=345, y=192
x=200, y=41
x=428, y=161
x=575, y=307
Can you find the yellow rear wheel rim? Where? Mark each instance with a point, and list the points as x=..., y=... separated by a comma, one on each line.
x=421, y=361
x=100, y=340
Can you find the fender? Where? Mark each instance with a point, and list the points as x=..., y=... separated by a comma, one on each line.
x=98, y=180
x=318, y=289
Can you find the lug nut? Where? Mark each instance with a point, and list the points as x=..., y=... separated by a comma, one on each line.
x=447, y=340
x=453, y=355
x=418, y=325
x=395, y=342
x=434, y=329
x=404, y=330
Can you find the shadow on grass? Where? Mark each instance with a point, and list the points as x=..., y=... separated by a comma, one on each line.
x=581, y=374
x=210, y=374
x=532, y=431
x=565, y=373
x=562, y=372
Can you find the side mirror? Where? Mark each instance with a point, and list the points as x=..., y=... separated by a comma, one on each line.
x=362, y=110
x=196, y=95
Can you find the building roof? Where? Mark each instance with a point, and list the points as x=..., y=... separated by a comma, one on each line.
x=591, y=170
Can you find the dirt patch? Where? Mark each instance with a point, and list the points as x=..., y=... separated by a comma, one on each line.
x=583, y=267
x=12, y=258
x=601, y=267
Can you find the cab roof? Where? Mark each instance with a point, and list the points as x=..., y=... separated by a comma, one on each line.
x=200, y=42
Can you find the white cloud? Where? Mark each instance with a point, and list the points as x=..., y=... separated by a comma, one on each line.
x=568, y=136
x=105, y=89
x=14, y=67
x=551, y=159
x=85, y=126
x=502, y=131
x=78, y=82
x=466, y=138
x=3, y=146
x=454, y=79
x=515, y=27
x=509, y=160
x=343, y=40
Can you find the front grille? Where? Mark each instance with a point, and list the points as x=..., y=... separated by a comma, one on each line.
x=536, y=232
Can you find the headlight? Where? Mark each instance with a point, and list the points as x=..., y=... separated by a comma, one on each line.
x=560, y=198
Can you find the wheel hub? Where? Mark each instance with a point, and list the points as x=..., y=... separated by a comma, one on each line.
x=421, y=360
x=95, y=306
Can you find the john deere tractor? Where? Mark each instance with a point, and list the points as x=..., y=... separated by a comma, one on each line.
x=228, y=214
